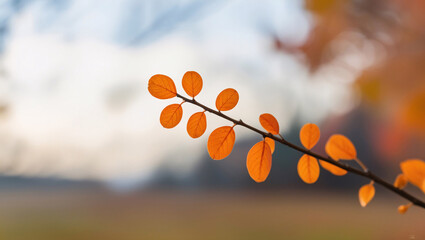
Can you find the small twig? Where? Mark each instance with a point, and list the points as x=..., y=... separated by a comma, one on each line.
x=361, y=164
x=281, y=137
x=366, y=173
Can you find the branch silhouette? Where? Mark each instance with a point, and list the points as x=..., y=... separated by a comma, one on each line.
x=364, y=172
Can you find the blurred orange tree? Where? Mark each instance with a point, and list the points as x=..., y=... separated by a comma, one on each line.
x=393, y=85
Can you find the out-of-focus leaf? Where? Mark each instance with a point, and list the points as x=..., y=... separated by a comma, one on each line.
x=414, y=170
x=366, y=194
x=401, y=181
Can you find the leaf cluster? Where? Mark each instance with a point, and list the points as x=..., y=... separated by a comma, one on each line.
x=259, y=158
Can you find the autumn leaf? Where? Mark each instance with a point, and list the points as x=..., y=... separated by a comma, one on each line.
x=308, y=169
x=402, y=209
x=333, y=169
x=309, y=135
x=162, y=87
x=171, y=115
x=227, y=99
x=269, y=123
x=401, y=181
x=192, y=83
x=259, y=161
x=423, y=186
x=271, y=143
x=414, y=170
x=366, y=194
x=197, y=124
x=220, y=142
x=340, y=147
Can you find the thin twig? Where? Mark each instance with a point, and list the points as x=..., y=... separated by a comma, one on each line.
x=367, y=174
x=361, y=164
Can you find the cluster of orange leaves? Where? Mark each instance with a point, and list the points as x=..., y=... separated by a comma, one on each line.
x=259, y=158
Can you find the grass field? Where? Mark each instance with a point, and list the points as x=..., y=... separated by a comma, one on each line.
x=100, y=214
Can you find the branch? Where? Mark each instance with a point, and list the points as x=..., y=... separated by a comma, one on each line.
x=367, y=173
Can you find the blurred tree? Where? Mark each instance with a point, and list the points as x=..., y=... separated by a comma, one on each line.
x=392, y=86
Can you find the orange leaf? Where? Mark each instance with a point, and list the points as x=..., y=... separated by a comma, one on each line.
x=414, y=170
x=402, y=209
x=340, y=147
x=227, y=99
x=401, y=181
x=220, y=142
x=162, y=87
x=308, y=169
x=192, y=83
x=366, y=193
x=171, y=115
x=423, y=186
x=271, y=143
x=269, y=123
x=259, y=161
x=333, y=169
x=197, y=124
x=309, y=135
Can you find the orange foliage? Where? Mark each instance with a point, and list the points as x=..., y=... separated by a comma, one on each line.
x=402, y=209
x=401, y=181
x=308, y=169
x=259, y=158
x=271, y=143
x=366, y=194
x=309, y=135
x=192, y=83
x=220, y=142
x=171, y=115
x=340, y=147
x=259, y=161
x=414, y=170
x=227, y=99
x=197, y=124
x=269, y=123
x=162, y=87
x=332, y=168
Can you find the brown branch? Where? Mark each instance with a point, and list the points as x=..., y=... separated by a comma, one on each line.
x=367, y=174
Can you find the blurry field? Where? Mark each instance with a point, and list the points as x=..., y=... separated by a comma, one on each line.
x=100, y=214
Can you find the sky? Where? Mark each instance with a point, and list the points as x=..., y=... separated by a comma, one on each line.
x=74, y=78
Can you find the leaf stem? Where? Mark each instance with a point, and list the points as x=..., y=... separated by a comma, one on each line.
x=366, y=173
x=361, y=164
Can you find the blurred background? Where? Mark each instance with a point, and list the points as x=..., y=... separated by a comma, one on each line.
x=83, y=155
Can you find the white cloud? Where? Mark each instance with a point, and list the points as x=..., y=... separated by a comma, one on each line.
x=81, y=109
